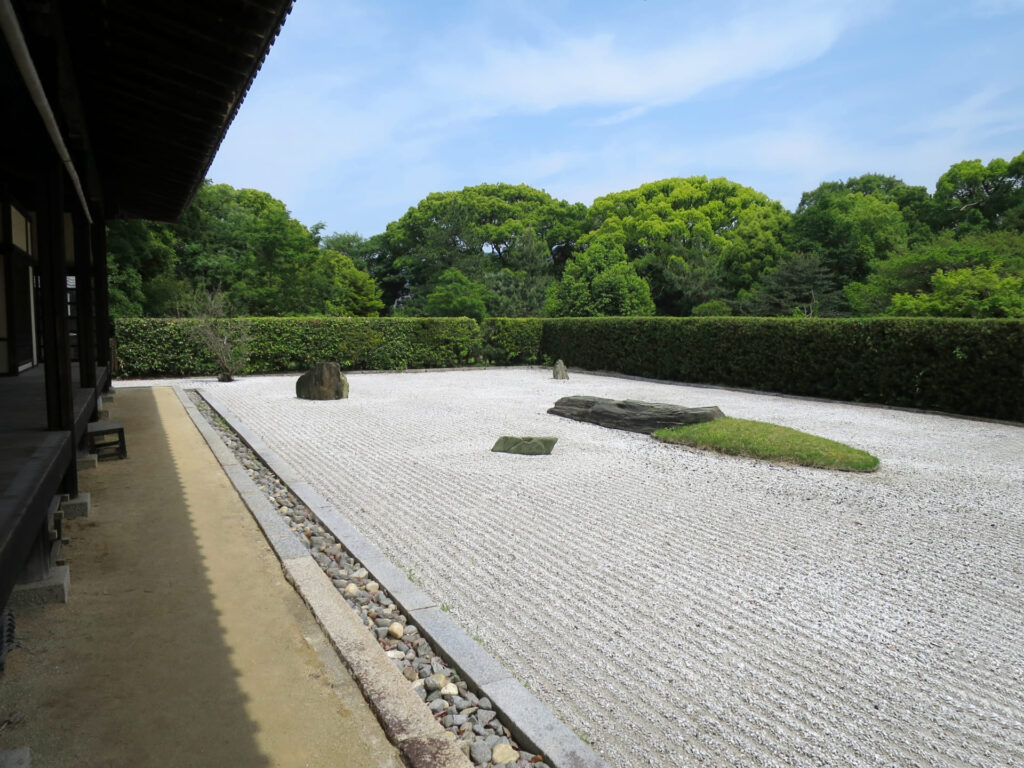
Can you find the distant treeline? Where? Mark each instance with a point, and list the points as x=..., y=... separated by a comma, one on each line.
x=871, y=245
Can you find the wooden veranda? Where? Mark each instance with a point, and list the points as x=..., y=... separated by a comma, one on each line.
x=108, y=109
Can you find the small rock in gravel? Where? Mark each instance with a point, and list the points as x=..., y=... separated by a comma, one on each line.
x=480, y=753
x=351, y=590
x=372, y=587
x=396, y=629
x=450, y=690
x=395, y=655
x=362, y=573
x=484, y=716
x=409, y=673
x=437, y=705
x=484, y=703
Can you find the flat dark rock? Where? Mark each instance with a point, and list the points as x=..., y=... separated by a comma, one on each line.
x=525, y=446
x=631, y=415
x=324, y=381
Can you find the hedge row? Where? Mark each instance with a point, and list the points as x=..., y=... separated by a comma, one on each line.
x=167, y=347
x=973, y=367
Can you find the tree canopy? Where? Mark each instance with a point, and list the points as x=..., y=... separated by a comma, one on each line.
x=692, y=239
x=511, y=239
x=244, y=243
x=869, y=245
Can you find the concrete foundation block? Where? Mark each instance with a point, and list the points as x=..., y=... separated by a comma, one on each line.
x=15, y=758
x=79, y=506
x=86, y=461
x=53, y=588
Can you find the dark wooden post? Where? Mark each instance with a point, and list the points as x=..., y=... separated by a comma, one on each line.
x=60, y=412
x=102, y=309
x=84, y=291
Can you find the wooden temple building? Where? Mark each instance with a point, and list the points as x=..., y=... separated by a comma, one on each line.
x=108, y=109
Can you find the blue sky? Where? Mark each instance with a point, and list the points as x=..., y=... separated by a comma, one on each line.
x=363, y=108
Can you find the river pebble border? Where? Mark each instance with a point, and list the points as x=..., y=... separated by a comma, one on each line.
x=478, y=729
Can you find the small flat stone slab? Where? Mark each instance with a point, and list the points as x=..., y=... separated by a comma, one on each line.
x=525, y=446
x=631, y=415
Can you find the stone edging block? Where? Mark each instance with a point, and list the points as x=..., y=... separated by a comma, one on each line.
x=530, y=721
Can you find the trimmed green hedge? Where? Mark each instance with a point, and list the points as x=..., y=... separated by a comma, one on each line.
x=973, y=367
x=512, y=340
x=166, y=347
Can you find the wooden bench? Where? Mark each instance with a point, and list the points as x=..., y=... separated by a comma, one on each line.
x=106, y=439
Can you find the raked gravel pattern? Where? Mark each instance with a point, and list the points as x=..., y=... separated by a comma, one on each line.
x=677, y=607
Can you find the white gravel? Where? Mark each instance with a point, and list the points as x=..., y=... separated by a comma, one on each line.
x=676, y=607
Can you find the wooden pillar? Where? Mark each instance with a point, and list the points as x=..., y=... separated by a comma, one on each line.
x=84, y=291
x=102, y=309
x=60, y=412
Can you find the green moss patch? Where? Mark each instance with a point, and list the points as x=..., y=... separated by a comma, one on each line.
x=760, y=440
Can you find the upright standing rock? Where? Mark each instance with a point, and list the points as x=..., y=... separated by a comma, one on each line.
x=324, y=381
x=560, y=372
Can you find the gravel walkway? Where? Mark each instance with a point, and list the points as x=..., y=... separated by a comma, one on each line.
x=681, y=608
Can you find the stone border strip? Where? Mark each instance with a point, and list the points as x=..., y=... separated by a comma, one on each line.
x=420, y=739
x=532, y=724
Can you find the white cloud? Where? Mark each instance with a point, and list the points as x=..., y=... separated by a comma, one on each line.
x=603, y=69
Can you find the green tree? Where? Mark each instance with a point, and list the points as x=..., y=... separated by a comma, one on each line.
x=971, y=195
x=600, y=281
x=713, y=308
x=693, y=239
x=970, y=292
x=848, y=230
x=143, y=269
x=911, y=271
x=457, y=296
x=916, y=206
x=798, y=285
x=480, y=231
x=331, y=284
